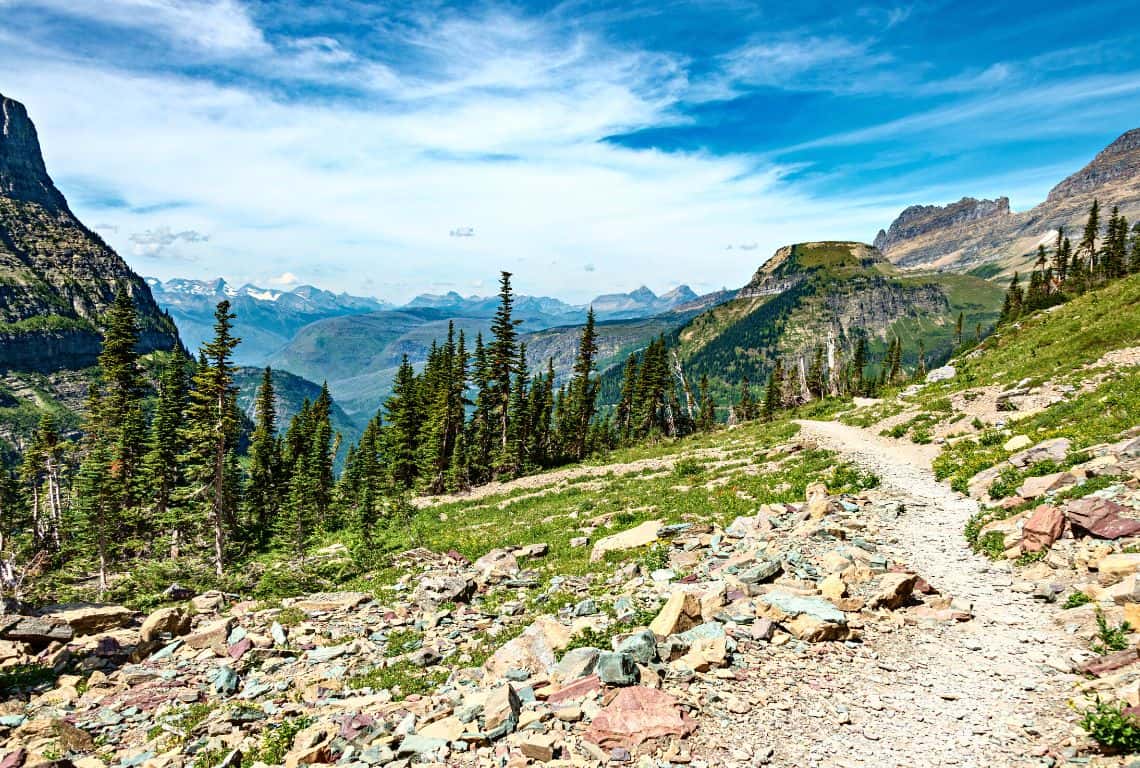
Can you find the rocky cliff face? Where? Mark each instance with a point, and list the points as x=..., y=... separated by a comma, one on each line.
x=57, y=278
x=919, y=220
x=970, y=233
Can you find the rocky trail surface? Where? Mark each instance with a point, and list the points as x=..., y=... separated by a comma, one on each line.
x=976, y=693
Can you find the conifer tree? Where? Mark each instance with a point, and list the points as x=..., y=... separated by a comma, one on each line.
x=43, y=470
x=773, y=393
x=212, y=426
x=707, y=418
x=859, y=364
x=502, y=357
x=165, y=449
x=263, y=494
x=403, y=416
x=1086, y=249
x=958, y=327
x=583, y=391
x=624, y=415
x=1061, y=256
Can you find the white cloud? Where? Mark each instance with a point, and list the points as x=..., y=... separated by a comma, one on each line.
x=221, y=26
x=157, y=243
x=284, y=280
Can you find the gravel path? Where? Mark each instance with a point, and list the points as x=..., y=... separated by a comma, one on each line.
x=979, y=693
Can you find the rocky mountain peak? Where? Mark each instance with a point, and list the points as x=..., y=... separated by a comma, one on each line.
x=1119, y=160
x=919, y=220
x=23, y=175
x=643, y=294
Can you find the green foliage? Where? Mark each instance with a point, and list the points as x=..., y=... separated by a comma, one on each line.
x=24, y=676
x=277, y=741
x=655, y=558
x=401, y=641
x=688, y=468
x=1111, y=727
x=1076, y=600
x=291, y=616
x=180, y=723
x=992, y=545
x=402, y=679
x=1110, y=638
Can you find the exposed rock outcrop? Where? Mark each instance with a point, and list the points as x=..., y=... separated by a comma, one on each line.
x=963, y=235
x=59, y=277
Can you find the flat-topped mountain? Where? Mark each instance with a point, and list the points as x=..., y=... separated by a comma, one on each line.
x=57, y=277
x=970, y=233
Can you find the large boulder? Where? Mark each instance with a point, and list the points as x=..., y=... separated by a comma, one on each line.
x=1043, y=527
x=1052, y=450
x=1101, y=518
x=811, y=619
x=497, y=565
x=681, y=611
x=894, y=590
x=89, y=618
x=434, y=590
x=330, y=601
x=1036, y=487
x=37, y=630
x=533, y=650
x=170, y=620
x=639, y=536
x=636, y=715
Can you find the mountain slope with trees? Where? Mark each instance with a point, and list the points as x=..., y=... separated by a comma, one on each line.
x=58, y=279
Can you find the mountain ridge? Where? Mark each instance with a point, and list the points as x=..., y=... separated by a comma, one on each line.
x=973, y=232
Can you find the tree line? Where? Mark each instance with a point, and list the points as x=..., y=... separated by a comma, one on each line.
x=166, y=465
x=1096, y=260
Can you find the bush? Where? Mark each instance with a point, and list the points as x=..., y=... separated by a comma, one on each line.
x=1077, y=599
x=1111, y=727
x=1110, y=638
x=688, y=468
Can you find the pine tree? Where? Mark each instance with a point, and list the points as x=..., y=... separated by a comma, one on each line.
x=212, y=426
x=502, y=357
x=583, y=390
x=403, y=416
x=773, y=393
x=1061, y=256
x=43, y=473
x=625, y=408
x=263, y=494
x=894, y=362
x=920, y=371
x=1086, y=249
x=958, y=327
x=859, y=364
x=165, y=449
x=707, y=418
x=1134, y=261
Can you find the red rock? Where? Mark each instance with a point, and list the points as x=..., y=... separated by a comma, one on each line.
x=1099, y=667
x=1043, y=528
x=14, y=759
x=238, y=649
x=637, y=714
x=579, y=689
x=1101, y=518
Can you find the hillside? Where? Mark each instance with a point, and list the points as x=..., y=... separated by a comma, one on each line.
x=971, y=233
x=809, y=293
x=57, y=277
x=291, y=391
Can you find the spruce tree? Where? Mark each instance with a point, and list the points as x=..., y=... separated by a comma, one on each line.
x=859, y=364
x=583, y=390
x=165, y=449
x=403, y=414
x=624, y=415
x=212, y=427
x=1086, y=249
x=773, y=392
x=263, y=494
x=707, y=418
x=958, y=327
x=502, y=358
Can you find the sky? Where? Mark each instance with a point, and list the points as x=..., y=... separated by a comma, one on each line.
x=389, y=149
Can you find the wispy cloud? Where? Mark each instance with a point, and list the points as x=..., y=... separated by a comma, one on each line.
x=156, y=243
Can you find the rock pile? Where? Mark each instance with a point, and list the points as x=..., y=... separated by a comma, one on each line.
x=430, y=673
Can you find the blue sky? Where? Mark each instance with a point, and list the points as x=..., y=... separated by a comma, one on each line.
x=590, y=146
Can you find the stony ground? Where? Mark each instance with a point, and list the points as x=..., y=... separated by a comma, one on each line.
x=841, y=630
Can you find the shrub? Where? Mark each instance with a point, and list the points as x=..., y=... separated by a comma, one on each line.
x=1111, y=727
x=1077, y=599
x=1110, y=638
x=688, y=468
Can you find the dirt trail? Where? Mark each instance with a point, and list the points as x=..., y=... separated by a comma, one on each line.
x=979, y=693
